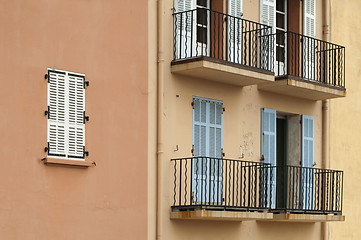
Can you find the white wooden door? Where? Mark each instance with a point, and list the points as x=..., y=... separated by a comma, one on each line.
x=207, y=142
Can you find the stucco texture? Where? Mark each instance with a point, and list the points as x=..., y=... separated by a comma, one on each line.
x=106, y=41
x=345, y=117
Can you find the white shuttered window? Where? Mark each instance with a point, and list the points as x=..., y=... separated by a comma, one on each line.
x=66, y=114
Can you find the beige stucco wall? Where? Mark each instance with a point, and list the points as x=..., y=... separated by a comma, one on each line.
x=107, y=41
x=241, y=124
x=345, y=117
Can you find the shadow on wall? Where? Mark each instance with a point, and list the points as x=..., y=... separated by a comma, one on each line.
x=288, y=230
x=222, y=230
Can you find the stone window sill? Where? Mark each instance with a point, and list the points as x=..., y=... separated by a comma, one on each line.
x=67, y=162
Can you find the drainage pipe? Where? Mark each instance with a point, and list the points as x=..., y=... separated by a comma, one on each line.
x=160, y=108
x=326, y=13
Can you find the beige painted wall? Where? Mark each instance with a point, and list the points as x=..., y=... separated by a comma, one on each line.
x=241, y=128
x=345, y=117
x=107, y=41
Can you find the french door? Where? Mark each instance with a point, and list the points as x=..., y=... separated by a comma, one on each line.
x=207, y=143
x=281, y=37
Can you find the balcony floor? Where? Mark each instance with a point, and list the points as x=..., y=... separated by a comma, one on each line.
x=298, y=87
x=293, y=217
x=221, y=71
x=235, y=216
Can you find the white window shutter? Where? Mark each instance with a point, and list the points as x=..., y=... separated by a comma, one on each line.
x=66, y=114
x=76, y=113
x=268, y=13
x=235, y=8
x=235, y=26
x=56, y=113
x=183, y=5
x=309, y=13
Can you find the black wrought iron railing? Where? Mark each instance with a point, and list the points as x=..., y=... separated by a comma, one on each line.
x=207, y=33
x=309, y=58
x=205, y=182
x=226, y=184
x=306, y=190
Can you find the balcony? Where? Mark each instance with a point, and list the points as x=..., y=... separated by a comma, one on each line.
x=218, y=47
x=302, y=194
x=233, y=190
x=308, y=68
x=218, y=188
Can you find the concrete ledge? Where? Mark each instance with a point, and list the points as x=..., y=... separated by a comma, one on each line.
x=289, y=217
x=303, y=89
x=219, y=215
x=67, y=162
x=222, y=71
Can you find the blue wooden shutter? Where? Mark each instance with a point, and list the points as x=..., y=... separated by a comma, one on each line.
x=207, y=144
x=307, y=161
x=268, y=144
x=268, y=150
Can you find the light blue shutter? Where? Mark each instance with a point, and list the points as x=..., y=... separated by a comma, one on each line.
x=207, y=143
x=268, y=150
x=268, y=145
x=307, y=160
x=307, y=141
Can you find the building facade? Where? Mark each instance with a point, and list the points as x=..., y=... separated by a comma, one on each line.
x=175, y=119
x=50, y=51
x=345, y=27
x=243, y=120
